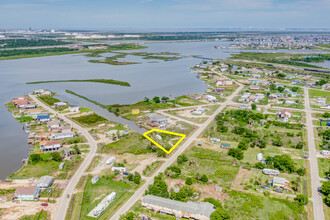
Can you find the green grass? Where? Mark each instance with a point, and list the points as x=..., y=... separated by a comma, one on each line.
x=84, y=109
x=43, y=216
x=216, y=165
x=90, y=120
x=150, y=169
x=49, y=100
x=105, y=81
x=94, y=193
x=133, y=143
x=313, y=93
x=249, y=206
x=25, y=119
x=324, y=165
x=37, y=170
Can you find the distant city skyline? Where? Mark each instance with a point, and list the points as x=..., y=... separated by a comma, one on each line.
x=105, y=14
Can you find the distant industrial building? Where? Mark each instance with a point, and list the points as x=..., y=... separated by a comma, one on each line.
x=178, y=209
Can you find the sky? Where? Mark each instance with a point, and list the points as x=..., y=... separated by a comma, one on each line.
x=107, y=14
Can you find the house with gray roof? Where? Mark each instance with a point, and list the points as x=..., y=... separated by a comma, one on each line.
x=178, y=209
x=45, y=182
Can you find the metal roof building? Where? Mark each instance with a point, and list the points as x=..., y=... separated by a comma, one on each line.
x=45, y=182
x=188, y=209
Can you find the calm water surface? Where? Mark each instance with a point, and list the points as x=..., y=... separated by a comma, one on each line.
x=148, y=79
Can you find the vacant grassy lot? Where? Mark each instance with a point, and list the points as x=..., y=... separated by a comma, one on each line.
x=94, y=193
x=313, y=93
x=49, y=100
x=249, y=206
x=133, y=143
x=324, y=166
x=37, y=170
x=216, y=165
x=90, y=120
x=43, y=216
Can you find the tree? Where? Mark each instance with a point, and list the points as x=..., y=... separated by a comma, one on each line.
x=56, y=156
x=204, y=179
x=278, y=142
x=260, y=165
x=76, y=149
x=165, y=99
x=146, y=99
x=130, y=177
x=325, y=188
x=236, y=153
x=137, y=178
x=159, y=188
x=35, y=158
x=327, y=200
x=294, y=89
x=182, y=159
x=326, y=115
x=282, y=162
x=219, y=214
x=280, y=89
x=243, y=145
x=301, y=199
x=254, y=106
x=156, y=99
x=173, y=171
x=301, y=171
x=299, y=145
x=129, y=216
x=189, y=181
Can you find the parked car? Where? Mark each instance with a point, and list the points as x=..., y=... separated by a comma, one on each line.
x=305, y=157
x=265, y=187
x=44, y=204
x=67, y=196
x=278, y=190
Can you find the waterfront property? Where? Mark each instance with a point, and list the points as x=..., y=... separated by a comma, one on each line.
x=178, y=209
x=26, y=193
x=45, y=182
x=49, y=146
x=58, y=136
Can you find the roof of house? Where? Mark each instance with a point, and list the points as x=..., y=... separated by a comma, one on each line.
x=26, y=190
x=48, y=143
x=62, y=134
x=43, y=117
x=224, y=144
x=45, y=180
x=155, y=116
x=53, y=122
x=203, y=208
x=279, y=180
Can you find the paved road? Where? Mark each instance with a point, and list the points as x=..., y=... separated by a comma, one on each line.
x=64, y=202
x=317, y=199
x=139, y=193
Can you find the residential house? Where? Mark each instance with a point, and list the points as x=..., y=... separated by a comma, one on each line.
x=218, y=90
x=193, y=210
x=280, y=182
x=326, y=87
x=157, y=117
x=65, y=129
x=289, y=102
x=53, y=124
x=95, y=179
x=270, y=172
x=59, y=104
x=74, y=108
x=284, y=114
x=58, y=136
x=195, y=97
x=20, y=102
x=26, y=193
x=30, y=106
x=45, y=182
x=211, y=98
x=49, y=146
x=214, y=140
x=120, y=169
x=321, y=101
x=225, y=146
x=198, y=111
x=43, y=118
x=254, y=87
x=325, y=152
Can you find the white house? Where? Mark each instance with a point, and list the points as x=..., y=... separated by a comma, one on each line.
x=74, y=108
x=59, y=104
x=120, y=169
x=57, y=136
x=211, y=98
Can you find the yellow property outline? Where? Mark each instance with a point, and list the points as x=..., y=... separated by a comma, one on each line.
x=167, y=132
